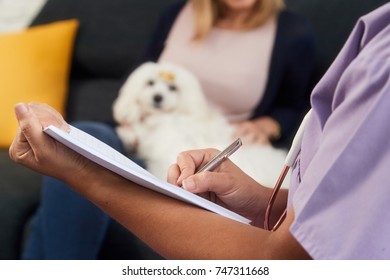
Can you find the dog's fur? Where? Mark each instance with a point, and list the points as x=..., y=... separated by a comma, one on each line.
x=161, y=110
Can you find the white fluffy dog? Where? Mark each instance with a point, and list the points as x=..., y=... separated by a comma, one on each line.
x=161, y=110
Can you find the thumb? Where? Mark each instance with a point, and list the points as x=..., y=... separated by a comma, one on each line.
x=30, y=129
x=218, y=182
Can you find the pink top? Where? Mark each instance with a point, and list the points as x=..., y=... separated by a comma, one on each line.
x=232, y=66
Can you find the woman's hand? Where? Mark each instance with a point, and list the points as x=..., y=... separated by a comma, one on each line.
x=227, y=185
x=261, y=130
x=36, y=150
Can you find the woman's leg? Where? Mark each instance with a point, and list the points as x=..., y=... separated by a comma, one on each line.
x=67, y=226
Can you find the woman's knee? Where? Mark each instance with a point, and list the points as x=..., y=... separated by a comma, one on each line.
x=101, y=131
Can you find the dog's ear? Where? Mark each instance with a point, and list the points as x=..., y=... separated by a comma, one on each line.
x=125, y=107
x=193, y=101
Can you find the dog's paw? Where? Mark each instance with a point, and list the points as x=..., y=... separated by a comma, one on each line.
x=128, y=137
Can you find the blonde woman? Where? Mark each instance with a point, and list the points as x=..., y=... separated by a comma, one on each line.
x=253, y=59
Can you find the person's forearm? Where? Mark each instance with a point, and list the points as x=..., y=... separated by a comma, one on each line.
x=174, y=229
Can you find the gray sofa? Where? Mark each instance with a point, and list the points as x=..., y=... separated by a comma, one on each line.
x=111, y=37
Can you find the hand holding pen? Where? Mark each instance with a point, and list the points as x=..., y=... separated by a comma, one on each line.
x=221, y=157
x=177, y=174
x=229, y=187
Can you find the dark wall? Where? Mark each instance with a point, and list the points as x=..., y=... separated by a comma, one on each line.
x=333, y=20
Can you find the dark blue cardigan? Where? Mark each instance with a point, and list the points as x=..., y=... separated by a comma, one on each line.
x=290, y=79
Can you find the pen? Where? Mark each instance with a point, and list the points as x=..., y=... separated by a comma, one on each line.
x=219, y=158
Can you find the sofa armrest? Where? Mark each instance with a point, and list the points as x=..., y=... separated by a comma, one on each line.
x=19, y=197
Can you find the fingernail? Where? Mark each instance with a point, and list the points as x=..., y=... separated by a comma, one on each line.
x=65, y=127
x=189, y=185
x=21, y=109
x=179, y=180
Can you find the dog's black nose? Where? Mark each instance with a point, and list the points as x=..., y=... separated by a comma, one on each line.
x=157, y=98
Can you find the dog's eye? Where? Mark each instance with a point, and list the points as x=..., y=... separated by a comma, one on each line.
x=150, y=83
x=172, y=88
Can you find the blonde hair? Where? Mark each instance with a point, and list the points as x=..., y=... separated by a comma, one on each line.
x=207, y=12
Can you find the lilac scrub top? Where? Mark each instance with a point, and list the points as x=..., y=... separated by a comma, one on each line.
x=340, y=188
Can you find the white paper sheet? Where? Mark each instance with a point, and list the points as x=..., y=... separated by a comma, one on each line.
x=104, y=155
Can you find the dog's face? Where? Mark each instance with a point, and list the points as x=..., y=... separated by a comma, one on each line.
x=156, y=88
x=160, y=93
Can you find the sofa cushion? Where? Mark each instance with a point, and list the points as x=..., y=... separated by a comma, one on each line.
x=34, y=66
x=91, y=99
x=109, y=43
x=112, y=33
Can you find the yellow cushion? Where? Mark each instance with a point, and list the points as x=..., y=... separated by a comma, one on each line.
x=34, y=66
